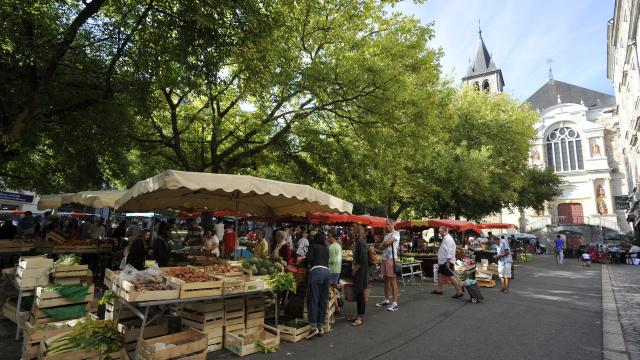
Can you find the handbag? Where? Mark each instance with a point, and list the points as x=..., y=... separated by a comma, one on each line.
x=397, y=267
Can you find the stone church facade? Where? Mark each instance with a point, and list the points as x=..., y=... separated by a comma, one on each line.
x=578, y=138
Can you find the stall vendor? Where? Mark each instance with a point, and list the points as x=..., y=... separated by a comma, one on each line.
x=211, y=243
x=262, y=245
x=282, y=249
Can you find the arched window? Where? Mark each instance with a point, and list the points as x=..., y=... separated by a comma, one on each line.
x=476, y=86
x=485, y=85
x=564, y=150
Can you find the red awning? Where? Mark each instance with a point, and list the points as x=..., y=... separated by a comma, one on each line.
x=455, y=225
x=496, y=226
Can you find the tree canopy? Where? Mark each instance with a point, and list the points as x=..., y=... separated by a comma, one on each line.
x=344, y=95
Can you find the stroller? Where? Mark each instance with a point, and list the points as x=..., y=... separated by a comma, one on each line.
x=472, y=288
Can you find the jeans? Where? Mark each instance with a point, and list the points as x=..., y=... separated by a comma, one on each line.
x=559, y=256
x=318, y=296
x=360, y=303
x=334, y=278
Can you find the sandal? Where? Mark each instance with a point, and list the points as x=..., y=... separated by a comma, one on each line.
x=352, y=318
x=436, y=292
x=358, y=322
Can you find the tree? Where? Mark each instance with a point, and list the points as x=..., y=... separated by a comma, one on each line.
x=540, y=186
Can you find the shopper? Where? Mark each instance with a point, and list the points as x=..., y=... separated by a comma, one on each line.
x=228, y=242
x=195, y=233
x=446, y=262
x=161, y=244
x=86, y=229
x=359, y=270
x=99, y=231
x=303, y=245
x=211, y=243
x=505, y=261
x=390, y=245
x=559, y=245
x=8, y=230
x=262, y=245
x=282, y=249
x=137, y=252
x=27, y=226
x=335, y=259
x=317, y=260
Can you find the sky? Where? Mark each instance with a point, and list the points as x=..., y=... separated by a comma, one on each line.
x=522, y=35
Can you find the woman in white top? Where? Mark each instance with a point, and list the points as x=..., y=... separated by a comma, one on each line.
x=211, y=243
x=303, y=245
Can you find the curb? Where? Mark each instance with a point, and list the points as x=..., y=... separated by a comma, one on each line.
x=613, y=345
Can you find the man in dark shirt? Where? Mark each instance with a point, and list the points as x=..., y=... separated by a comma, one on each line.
x=8, y=230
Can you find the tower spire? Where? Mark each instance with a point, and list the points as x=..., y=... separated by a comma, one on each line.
x=479, y=28
x=549, y=61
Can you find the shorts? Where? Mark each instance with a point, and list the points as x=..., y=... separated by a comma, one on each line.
x=504, y=270
x=387, y=269
x=586, y=260
x=445, y=271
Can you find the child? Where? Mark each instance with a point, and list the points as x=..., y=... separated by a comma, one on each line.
x=586, y=259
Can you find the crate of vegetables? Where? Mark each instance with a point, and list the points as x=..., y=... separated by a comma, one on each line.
x=51, y=296
x=224, y=268
x=262, y=338
x=194, y=283
x=148, y=291
x=294, y=330
x=87, y=340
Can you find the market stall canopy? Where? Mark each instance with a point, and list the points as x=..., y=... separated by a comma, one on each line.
x=455, y=225
x=330, y=218
x=174, y=189
x=94, y=199
x=496, y=226
x=53, y=201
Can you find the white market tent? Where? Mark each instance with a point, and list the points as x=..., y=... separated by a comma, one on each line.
x=94, y=199
x=174, y=189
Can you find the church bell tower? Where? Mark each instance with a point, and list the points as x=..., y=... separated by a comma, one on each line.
x=483, y=73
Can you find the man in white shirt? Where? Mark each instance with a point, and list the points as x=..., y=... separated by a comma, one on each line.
x=390, y=246
x=446, y=262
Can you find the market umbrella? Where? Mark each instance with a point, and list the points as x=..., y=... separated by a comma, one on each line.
x=496, y=226
x=205, y=191
x=455, y=225
x=94, y=199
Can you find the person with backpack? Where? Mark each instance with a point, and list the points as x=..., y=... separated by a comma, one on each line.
x=360, y=271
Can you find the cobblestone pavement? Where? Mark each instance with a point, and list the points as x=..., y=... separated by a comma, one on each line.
x=625, y=280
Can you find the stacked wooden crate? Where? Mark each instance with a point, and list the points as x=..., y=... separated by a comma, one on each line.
x=33, y=271
x=251, y=341
x=207, y=317
x=186, y=345
x=33, y=335
x=234, y=316
x=293, y=330
x=254, y=310
x=71, y=274
x=130, y=330
x=48, y=298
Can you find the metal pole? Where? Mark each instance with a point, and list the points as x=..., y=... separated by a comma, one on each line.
x=277, y=307
x=236, y=196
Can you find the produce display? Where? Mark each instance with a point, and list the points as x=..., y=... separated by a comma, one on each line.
x=407, y=260
x=67, y=259
x=282, y=281
x=262, y=266
x=222, y=268
x=100, y=335
x=190, y=274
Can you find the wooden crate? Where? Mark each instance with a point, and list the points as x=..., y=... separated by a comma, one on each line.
x=38, y=317
x=81, y=355
x=46, y=298
x=236, y=269
x=203, y=321
x=215, y=344
x=128, y=292
x=198, y=289
x=235, y=303
x=117, y=311
x=131, y=331
x=294, y=334
x=111, y=279
x=32, y=282
x=244, y=343
x=251, y=323
x=36, y=334
x=9, y=311
x=32, y=262
x=30, y=351
x=234, y=327
x=32, y=272
x=234, y=285
x=205, y=306
x=234, y=317
x=253, y=285
x=188, y=344
x=70, y=271
x=56, y=237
